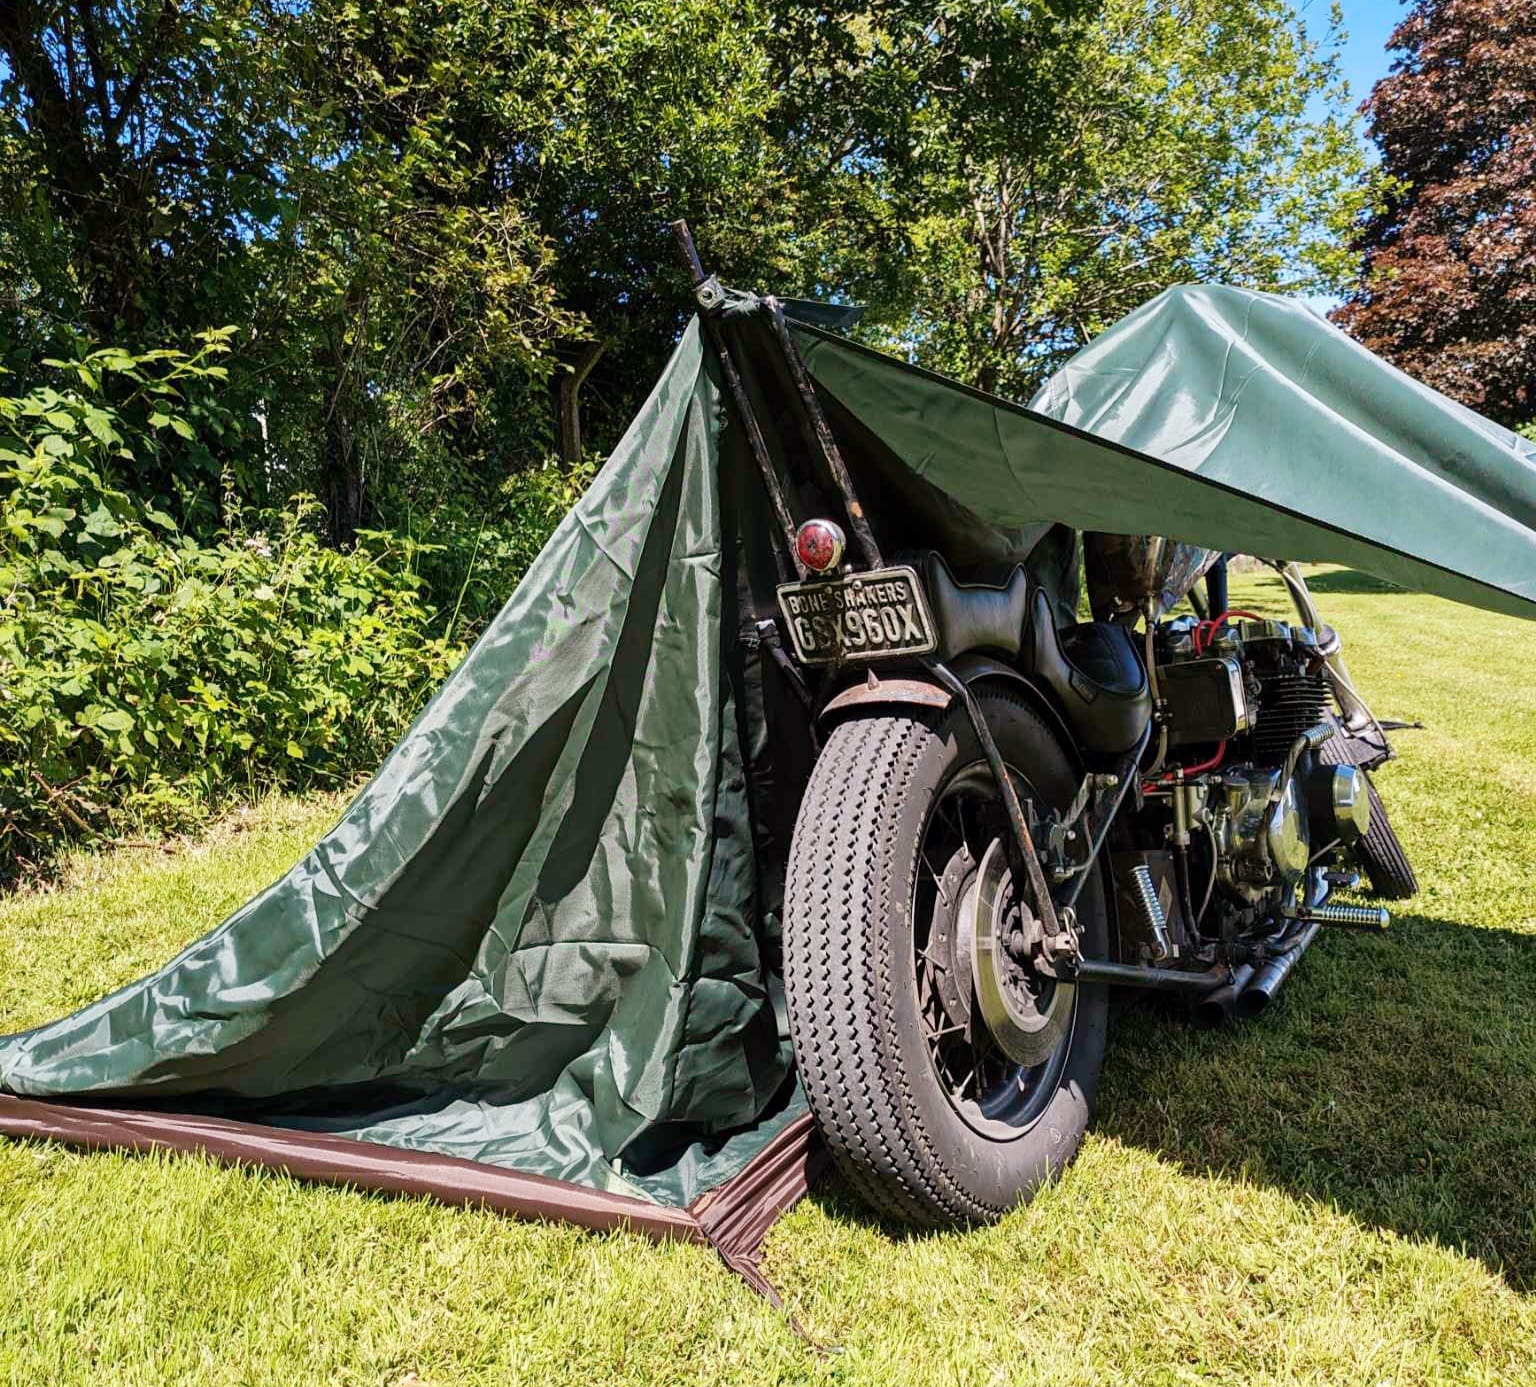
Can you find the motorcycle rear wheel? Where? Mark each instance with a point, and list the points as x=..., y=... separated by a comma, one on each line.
x=866, y=912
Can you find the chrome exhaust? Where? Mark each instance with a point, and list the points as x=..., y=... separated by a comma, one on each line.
x=1250, y=990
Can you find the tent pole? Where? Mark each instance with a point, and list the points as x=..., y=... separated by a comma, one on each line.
x=818, y=435
x=709, y=295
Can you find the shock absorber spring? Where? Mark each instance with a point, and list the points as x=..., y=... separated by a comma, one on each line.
x=1151, y=908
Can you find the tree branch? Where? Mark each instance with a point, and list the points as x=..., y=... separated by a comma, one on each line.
x=159, y=37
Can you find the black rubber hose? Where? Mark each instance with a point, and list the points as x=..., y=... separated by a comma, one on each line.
x=1216, y=586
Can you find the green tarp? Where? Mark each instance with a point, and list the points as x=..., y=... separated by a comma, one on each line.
x=1267, y=430
x=532, y=938
x=543, y=937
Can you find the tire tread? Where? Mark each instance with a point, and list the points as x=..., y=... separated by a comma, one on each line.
x=838, y=950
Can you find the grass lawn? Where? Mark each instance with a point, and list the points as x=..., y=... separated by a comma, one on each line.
x=1341, y=1191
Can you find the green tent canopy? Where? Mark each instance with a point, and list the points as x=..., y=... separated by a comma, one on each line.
x=535, y=963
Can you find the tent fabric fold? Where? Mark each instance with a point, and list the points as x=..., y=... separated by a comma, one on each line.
x=534, y=965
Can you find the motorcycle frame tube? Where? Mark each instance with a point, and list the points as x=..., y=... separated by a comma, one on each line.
x=1128, y=777
x=818, y=435
x=1156, y=979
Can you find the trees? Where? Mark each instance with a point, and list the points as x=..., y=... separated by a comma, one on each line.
x=1447, y=286
x=1191, y=140
x=415, y=213
x=438, y=226
x=145, y=143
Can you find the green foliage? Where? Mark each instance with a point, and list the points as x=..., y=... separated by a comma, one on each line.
x=145, y=675
x=1203, y=140
x=425, y=215
x=471, y=561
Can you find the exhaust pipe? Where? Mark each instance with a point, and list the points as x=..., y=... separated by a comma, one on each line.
x=1250, y=991
x=1218, y=1006
x=1266, y=982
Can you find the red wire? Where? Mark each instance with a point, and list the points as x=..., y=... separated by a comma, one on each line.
x=1168, y=777
x=1216, y=760
x=1206, y=631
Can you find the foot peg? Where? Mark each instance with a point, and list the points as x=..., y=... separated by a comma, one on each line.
x=1371, y=917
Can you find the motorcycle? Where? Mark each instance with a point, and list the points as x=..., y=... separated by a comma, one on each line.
x=1012, y=816
x=1012, y=810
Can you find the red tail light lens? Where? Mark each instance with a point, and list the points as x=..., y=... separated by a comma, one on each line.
x=819, y=544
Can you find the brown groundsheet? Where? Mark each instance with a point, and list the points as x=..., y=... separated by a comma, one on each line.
x=734, y=1218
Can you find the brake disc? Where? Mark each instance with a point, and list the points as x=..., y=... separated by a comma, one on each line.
x=1026, y=1012
x=949, y=939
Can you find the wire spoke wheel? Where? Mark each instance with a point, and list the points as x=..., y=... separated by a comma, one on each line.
x=941, y=1101
x=990, y=1091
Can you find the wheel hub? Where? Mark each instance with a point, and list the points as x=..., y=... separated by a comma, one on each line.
x=1026, y=1012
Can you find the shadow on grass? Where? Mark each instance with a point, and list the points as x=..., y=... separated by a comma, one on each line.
x=1395, y=1077
x=1351, y=580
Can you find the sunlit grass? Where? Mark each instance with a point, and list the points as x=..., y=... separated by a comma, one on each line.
x=1342, y=1191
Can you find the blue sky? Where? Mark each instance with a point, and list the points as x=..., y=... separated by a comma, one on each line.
x=1363, y=62
x=1368, y=23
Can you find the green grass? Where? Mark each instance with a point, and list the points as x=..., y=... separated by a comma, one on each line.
x=1342, y=1191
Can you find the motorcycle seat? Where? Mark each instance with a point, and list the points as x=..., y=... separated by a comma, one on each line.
x=1096, y=673
x=975, y=614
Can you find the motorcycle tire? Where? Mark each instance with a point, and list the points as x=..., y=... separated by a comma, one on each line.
x=1386, y=864
x=852, y=975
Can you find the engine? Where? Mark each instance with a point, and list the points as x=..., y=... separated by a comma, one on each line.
x=1244, y=815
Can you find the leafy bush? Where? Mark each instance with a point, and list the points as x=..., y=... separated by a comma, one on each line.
x=472, y=561
x=145, y=675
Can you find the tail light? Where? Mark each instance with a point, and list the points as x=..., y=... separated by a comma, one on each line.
x=819, y=543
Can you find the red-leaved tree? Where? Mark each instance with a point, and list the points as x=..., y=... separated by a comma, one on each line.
x=1448, y=280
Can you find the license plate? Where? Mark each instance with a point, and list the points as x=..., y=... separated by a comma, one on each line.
x=865, y=616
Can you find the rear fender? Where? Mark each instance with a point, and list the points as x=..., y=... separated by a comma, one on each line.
x=976, y=669
x=910, y=691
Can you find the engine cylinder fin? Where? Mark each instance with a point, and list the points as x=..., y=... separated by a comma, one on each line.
x=1289, y=705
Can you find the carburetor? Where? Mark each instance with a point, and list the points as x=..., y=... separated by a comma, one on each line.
x=1261, y=830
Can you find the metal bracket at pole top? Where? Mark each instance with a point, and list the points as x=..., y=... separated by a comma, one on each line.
x=710, y=297
x=708, y=294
